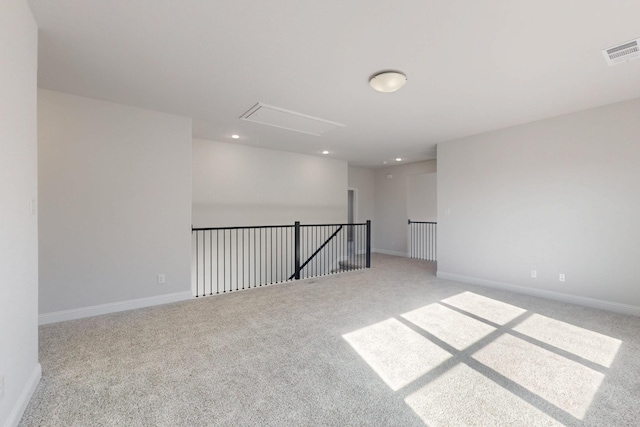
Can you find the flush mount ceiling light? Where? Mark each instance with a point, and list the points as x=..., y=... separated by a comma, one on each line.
x=325, y=152
x=388, y=81
x=234, y=136
x=398, y=159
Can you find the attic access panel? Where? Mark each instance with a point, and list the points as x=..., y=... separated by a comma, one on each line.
x=289, y=120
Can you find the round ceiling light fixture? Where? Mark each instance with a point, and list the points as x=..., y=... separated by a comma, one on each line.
x=388, y=81
x=235, y=136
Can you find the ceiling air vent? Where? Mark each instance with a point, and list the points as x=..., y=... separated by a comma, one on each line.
x=290, y=120
x=622, y=53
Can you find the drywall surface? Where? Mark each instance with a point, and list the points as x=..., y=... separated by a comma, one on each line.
x=362, y=179
x=559, y=196
x=391, y=186
x=236, y=185
x=19, y=366
x=422, y=197
x=115, y=202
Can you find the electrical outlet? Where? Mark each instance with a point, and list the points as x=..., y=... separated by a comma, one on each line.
x=561, y=277
x=534, y=273
x=162, y=279
x=1, y=387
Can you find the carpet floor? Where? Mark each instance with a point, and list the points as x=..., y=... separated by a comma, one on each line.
x=388, y=346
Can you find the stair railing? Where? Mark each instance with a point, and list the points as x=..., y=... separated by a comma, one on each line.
x=227, y=259
x=422, y=240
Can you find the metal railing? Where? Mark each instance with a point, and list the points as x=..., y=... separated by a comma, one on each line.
x=227, y=259
x=422, y=240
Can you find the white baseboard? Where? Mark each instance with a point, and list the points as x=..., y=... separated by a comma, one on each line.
x=97, y=310
x=25, y=397
x=543, y=293
x=394, y=253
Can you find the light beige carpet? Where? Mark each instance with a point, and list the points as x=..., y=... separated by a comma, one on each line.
x=389, y=346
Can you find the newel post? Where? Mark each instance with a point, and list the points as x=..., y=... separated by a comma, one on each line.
x=368, y=243
x=297, y=250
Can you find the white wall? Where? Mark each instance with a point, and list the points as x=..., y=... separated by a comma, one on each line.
x=236, y=185
x=422, y=197
x=115, y=202
x=19, y=368
x=363, y=180
x=391, y=201
x=558, y=196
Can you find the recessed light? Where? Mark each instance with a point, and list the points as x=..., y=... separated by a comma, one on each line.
x=398, y=159
x=234, y=136
x=388, y=81
x=325, y=152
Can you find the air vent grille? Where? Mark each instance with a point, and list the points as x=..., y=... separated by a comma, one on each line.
x=622, y=53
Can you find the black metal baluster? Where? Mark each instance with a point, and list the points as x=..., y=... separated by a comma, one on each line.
x=363, y=252
x=217, y=261
x=210, y=262
x=430, y=227
x=363, y=244
x=261, y=255
x=334, y=249
x=296, y=244
x=224, y=261
x=204, y=271
x=418, y=240
x=325, y=243
x=230, y=260
x=243, y=260
x=197, y=258
x=345, y=242
x=351, y=259
x=326, y=253
x=360, y=258
x=280, y=256
x=417, y=228
x=428, y=239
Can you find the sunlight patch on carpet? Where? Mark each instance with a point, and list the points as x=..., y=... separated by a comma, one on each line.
x=396, y=353
x=590, y=345
x=564, y=383
x=470, y=398
x=456, y=329
x=495, y=311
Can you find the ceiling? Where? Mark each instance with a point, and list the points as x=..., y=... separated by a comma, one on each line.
x=472, y=66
